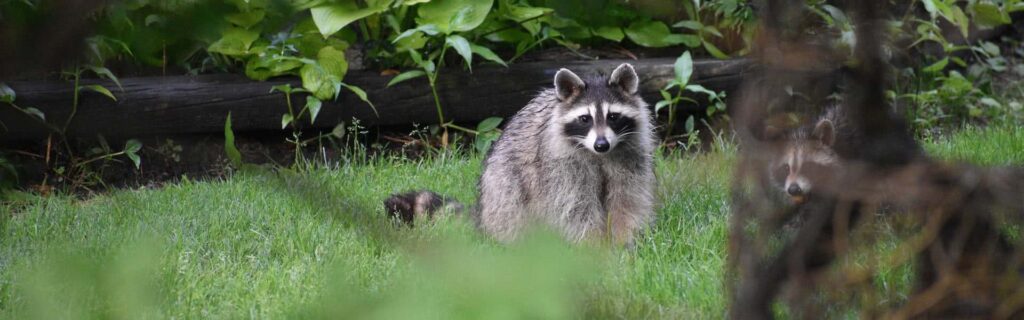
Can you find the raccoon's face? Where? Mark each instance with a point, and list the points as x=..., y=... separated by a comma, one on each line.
x=806, y=162
x=601, y=114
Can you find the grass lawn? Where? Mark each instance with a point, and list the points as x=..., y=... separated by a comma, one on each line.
x=315, y=245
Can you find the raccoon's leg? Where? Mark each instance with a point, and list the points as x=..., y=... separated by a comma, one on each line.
x=629, y=201
x=501, y=207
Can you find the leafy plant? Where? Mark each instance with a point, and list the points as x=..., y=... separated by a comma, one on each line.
x=683, y=69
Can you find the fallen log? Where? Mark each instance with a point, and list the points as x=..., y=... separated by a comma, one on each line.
x=150, y=106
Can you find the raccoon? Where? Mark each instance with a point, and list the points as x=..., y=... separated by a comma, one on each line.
x=579, y=158
x=808, y=157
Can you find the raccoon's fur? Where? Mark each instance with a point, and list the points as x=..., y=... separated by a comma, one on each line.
x=578, y=157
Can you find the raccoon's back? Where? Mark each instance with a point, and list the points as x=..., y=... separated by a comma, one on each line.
x=524, y=132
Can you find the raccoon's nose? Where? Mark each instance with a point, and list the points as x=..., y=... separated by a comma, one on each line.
x=601, y=145
x=794, y=190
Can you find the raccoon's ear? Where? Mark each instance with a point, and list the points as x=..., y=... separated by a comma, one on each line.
x=625, y=78
x=825, y=132
x=568, y=84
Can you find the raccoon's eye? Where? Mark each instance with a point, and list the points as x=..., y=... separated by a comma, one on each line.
x=584, y=119
x=614, y=116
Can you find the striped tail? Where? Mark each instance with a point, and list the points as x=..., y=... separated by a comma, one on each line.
x=413, y=206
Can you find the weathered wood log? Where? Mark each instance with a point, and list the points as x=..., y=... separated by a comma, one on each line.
x=199, y=104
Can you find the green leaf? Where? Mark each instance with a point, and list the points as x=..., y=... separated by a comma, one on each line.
x=610, y=33
x=234, y=42
x=135, y=159
x=406, y=76
x=132, y=146
x=263, y=67
x=101, y=89
x=362, y=96
x=689, y=24
x=339, y=130
x=656, y=34
x=454, y=15
x=244, y=19
x=36, y=113
x=488, y=124
x=683, y=68
x=701, y=89
x=483, y=141
x=331, y=18
x=661, y=104
x=713, y=50
x=286, y=119
x=7, y=94
x=959, y=19
x=937, y=66
x=313, y=104
x=689, y=124
x=461, y=45
x=990, y=15
x=487, y=54
x=229, y=144
x=428, y=29
x=285, y=88
x=324, y=77
x=518, y=12
x=105, y=73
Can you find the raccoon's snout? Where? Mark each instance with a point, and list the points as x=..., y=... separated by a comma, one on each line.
x=601, y=145
x=795, y=190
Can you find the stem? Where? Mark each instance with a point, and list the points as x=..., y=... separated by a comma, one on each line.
x=74, y=101
x=106, y=156
x=460, y=128
x=433, y=87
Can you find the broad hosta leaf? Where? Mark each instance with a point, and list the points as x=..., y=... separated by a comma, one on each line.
x=234, y=42
x=488, y=124
x=331, y=18
x=610, y=33
x=7, y=94
x=461, y=45
x=101, y=89
x=989, y=15
x=487, y=54
x=655, y=34
x=518, y=13
x=313, y=104
x=406, y=76
x=683, y=68
x=229, y=144
x=454, y=15
x=246, y=19
x=323, y=78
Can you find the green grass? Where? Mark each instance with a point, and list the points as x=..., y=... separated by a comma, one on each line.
x=315, y=245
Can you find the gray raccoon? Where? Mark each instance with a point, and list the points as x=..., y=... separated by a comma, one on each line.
x=809, y=156
x=579, y=157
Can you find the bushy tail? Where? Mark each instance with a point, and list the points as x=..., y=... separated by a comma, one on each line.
x=422, y=205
